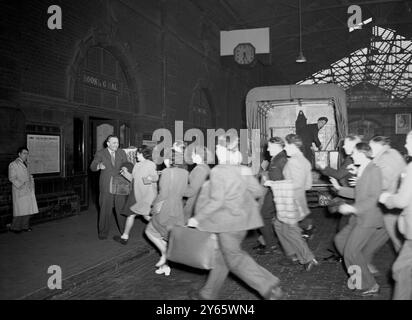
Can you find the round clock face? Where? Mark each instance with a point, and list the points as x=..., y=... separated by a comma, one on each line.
x=244, y=53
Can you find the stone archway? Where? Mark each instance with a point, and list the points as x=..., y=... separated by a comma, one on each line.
x=365, y=127
x=202, y=112
x=105, y=41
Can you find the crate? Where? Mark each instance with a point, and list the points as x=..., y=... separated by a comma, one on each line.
x=328, y=158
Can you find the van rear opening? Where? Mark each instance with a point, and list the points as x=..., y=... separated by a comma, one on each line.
x=274, y=111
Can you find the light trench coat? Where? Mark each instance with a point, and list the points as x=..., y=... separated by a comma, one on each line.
x=24, y=199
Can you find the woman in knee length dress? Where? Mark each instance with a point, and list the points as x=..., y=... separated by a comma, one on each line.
x=144, y=178
x=168, y=209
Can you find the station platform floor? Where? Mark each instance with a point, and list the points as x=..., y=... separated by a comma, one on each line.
x=104, y=269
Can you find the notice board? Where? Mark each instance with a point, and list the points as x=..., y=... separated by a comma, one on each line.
x=44, y=153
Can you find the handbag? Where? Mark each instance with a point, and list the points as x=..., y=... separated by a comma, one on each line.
x=120, y=186
x=192, y=247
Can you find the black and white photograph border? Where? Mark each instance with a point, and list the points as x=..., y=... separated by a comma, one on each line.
x=123, y=120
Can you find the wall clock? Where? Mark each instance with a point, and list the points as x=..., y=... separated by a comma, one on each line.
x=244, y=53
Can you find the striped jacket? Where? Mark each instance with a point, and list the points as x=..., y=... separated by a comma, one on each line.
x=287, y=208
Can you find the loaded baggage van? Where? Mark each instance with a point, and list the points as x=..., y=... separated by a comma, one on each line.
x=274, y=111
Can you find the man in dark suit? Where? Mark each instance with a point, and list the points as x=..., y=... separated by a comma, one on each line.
x=310, y=135
x=366, y=222
x=343, y=175
x=268, y=210
x=109, y=161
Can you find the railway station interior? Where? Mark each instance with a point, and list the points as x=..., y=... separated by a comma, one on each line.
x=77, y=75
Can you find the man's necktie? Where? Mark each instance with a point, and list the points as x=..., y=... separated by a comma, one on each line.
x=113, y=159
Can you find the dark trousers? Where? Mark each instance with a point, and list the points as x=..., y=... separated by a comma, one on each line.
x=290, y=236
x=268, y=212
x=351, y=242
x=20, y=223
x=107, y=201
x=306, y=223
x=342, y=222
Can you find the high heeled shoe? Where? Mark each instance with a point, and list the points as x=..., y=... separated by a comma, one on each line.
x=164, y=269
x=161, y=262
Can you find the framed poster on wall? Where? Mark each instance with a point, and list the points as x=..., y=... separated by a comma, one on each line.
x=402, y=123
x=44, y=153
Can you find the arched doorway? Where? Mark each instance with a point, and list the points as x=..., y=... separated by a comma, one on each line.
x=201, y=111
x=100, y=83
x=365, y=128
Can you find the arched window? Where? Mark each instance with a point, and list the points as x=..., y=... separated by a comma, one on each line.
x=200, y=111
x=365, y=128
x=101, y=81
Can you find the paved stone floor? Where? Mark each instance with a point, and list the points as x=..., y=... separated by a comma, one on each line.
x=328, y=281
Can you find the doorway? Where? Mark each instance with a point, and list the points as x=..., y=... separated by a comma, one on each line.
x=99, y=129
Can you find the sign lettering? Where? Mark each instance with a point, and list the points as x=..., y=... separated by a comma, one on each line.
x=100, y=83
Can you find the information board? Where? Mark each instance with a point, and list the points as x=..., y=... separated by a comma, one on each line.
x=44, y=153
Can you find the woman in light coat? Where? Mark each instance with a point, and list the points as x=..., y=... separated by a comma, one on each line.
x=402, y=268
x=24, y=199
x=144, y=177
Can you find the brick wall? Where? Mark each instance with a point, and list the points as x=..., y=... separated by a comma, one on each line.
x=167, y=49
x=52, y=206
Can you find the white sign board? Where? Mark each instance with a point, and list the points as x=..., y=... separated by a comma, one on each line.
x=258, y=37
x=44, y=153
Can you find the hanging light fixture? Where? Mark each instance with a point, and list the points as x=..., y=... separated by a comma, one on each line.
x=301, y=58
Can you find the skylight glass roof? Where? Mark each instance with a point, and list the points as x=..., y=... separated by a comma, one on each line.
x=386, y=63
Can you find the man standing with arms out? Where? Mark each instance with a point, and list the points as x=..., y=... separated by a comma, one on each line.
x=24, y=200
x=268, y=210
x=109, y=161
x=310, y=135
